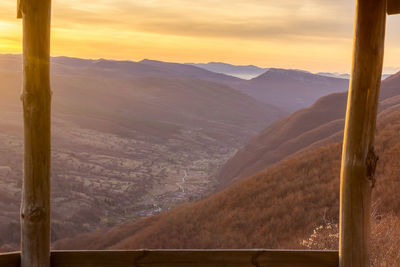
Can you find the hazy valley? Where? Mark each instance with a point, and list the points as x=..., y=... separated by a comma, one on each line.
x=125, y=146
x=286, y=204
x=137, y=139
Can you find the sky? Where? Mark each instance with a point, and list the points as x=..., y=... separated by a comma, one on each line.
x=314, y=35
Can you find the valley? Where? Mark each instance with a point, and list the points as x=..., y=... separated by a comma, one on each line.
x=125, y=146
x=280, y=206
x=138, y=145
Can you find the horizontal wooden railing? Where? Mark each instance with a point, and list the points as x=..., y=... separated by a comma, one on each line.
x=185, y=258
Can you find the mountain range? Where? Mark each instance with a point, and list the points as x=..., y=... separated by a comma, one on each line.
x=304, y=128
x=287, y=90
x=248, y=72
x=285, y=198
x=135, y=139
x=129, y=139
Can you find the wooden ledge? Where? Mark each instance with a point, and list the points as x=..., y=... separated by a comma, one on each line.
x=185, y=258
x=393, y=7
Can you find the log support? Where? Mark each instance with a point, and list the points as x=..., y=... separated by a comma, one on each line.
x=358, y=158
x=36, y=98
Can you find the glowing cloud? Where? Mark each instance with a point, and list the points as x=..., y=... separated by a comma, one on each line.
x=312, y=34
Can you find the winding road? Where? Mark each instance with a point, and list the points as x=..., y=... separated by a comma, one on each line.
x=180, y=184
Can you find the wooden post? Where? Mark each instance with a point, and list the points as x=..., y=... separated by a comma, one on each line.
x=393, y=7
x=36, y=98
x=359, y=159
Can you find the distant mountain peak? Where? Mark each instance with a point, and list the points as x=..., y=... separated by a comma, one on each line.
x=146, y=60
x=290, y=74
x=246, y=72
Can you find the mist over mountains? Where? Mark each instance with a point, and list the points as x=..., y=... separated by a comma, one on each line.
x=243, y=72
x=248, y=72
x=135, y=139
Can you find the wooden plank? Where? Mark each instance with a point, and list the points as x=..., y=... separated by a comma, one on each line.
x=358, y=158
x=299, y=258
x=199, y=258
x=393, y=7
x=94, y=258
x=185, y=258
x=36, y=98
x=10, y=259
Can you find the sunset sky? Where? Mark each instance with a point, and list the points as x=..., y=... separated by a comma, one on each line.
x=315, y=35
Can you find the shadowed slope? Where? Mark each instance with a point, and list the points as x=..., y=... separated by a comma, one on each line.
x=286, y=137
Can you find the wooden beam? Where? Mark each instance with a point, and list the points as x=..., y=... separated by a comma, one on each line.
x=186, y=258
x=10, y=259
x=393, y=7
x=19, y=9
x=199, y=258
x=36, y=98
x=358, y=158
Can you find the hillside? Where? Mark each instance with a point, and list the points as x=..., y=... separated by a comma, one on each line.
x=306, y=127
x=275, y=208
x=291, y=90
x=130, y=139
x=127, y=143
x=287, y=136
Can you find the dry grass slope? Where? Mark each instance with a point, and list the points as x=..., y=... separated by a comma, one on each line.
x=307, y=127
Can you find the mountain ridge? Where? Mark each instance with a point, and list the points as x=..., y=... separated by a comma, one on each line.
x=283, y=92
x=298, y=131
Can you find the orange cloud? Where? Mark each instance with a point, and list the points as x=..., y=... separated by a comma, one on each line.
x=313, y=34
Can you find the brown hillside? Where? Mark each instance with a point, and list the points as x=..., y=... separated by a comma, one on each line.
x=285, y=137
x=272, y=209
x=306, y=127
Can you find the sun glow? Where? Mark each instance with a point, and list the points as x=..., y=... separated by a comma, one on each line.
x=10, y=40
x=315, y=35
